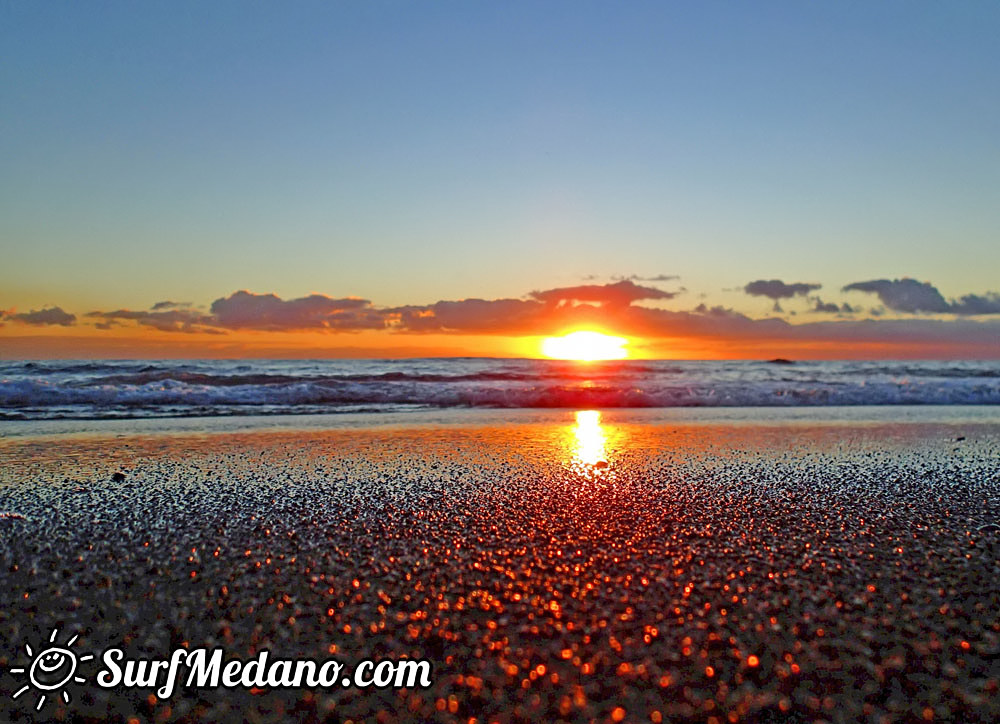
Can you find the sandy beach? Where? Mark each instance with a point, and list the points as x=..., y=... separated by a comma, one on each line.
x=551, y=567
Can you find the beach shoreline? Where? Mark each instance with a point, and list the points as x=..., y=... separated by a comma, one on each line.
x=450, y=417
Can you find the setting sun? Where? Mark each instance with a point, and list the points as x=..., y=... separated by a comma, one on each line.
x=585, y=346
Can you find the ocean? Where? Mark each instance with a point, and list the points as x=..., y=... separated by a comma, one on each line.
x=129, y=389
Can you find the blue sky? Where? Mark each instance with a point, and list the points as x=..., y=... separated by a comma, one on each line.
x=413, y=152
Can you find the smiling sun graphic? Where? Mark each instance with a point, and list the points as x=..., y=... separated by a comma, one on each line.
x=51, y=669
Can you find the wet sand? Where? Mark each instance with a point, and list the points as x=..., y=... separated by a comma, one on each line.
x=619, y=571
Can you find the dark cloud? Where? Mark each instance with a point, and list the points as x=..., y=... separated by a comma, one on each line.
x=471, y=316
x=174, y=320
x=545, y=312
x=829, y=307
x=960, y=332
x=909, y=295
x=246, y=310
x=940, y=337
x=988, y=303
x=903, y=295
x=42, y=317
x=621, y=293
x=718, y=312
x=776, y=289
x=160, y=306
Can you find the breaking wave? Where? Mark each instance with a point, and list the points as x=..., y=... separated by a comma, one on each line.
x=38, y=390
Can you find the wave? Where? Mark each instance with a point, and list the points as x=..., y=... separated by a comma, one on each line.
x=159, y=393
x=141, y=388
x=164, y=376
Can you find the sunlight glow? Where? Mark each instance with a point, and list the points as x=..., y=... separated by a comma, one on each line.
x=585, y=346
x=590, y=440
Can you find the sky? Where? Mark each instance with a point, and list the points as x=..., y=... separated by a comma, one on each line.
x=817, y=179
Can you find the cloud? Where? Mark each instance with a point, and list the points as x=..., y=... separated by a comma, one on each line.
x=621, y=293
x=472, y=316
x=829, y=307
x=246, y=310
x=612, y=307
x=637, y=278
x=544, y=312
x=52, y=315
x=941, y=338
x=174, y=320
x=160, y=306
x=903, y=295
x=776, y=289
x=718, y=312
x=976, y=304
x=909, y=295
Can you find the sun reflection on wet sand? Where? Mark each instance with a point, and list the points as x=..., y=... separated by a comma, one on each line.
x=591, y=441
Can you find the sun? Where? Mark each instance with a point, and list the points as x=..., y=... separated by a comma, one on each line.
x=585, y=346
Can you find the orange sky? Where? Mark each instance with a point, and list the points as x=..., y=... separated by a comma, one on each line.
x=144, y=343
x=915, y=321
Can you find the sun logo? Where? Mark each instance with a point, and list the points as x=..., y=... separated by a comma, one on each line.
x=51, y=669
